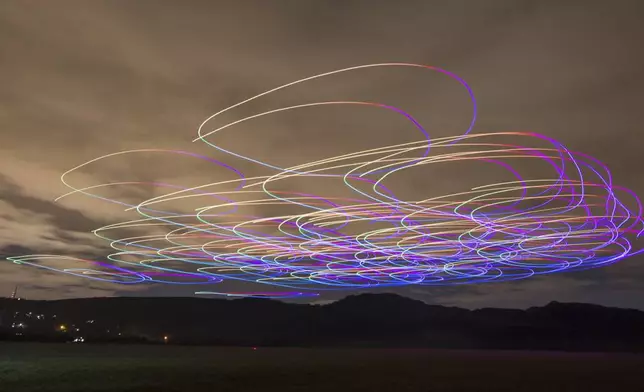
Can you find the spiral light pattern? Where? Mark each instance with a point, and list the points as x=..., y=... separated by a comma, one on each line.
x=570, y=217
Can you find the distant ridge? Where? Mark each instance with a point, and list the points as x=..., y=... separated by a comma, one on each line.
x=369, y=320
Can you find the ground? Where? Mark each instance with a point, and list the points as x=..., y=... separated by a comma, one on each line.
x=92, y=368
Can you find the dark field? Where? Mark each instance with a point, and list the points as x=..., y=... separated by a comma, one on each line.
x=87, y=368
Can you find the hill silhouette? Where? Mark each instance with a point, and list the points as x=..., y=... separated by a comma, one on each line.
x=368, y=320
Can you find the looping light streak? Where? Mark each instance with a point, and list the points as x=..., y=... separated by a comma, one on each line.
x=570, y=218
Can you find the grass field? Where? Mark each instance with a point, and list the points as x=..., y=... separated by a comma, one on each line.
x=87, y=368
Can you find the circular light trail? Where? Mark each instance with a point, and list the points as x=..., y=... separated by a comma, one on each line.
x=566, y=216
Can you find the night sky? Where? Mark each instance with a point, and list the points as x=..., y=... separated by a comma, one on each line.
x=82, y=79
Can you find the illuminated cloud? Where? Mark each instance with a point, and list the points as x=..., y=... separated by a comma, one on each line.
x=84, y=79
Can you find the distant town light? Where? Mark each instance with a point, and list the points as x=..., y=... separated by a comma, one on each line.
x=63, y=327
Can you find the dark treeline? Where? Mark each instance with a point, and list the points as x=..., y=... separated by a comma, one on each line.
x=370, y=320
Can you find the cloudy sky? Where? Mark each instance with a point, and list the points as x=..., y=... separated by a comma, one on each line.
x=81, y=79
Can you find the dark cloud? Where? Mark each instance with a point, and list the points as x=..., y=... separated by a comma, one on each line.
x=64, y=219
x=14, y=250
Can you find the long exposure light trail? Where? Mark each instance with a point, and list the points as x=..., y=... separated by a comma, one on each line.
x=568, y=217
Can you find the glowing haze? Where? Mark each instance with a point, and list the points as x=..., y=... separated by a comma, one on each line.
x=85, y=80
